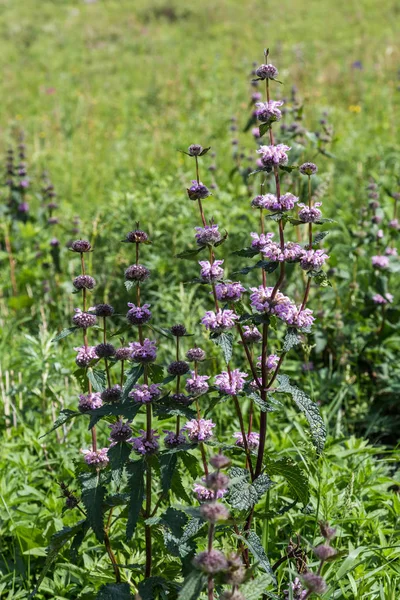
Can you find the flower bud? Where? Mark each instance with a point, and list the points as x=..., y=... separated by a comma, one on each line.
x=210, y=562
x=178, y=367
x=81, y=246
x=84, y=282
x=217, y=481
x=195, y=149
x=195, y=355
x=327, y=532
x=104, y=350
x=178, y=330
x=214, y=511
x=308, y=168
x=314, y=583
x=219, y=461
x=137, y=273
x=323, y=552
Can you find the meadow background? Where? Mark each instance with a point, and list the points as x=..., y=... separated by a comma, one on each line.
x=106, y=93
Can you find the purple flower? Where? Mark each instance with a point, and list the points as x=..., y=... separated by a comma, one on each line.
x=54, y=243
x=394, y=224
x=313, y=259
x=260, y=241
x=198, y=191
x=256, y=96
x=268, y=112
x=85, y=355
x=314, y=583
x=137, y=273
x=271, y=361
x=204, y=494
x=112, y=394
x=255, y=132
x=104, y=350
x=211, y=272
x=230, y=383
x=291, y=252
x=120, y=432
x=137, y=237
x=83, y=319
x=298, y=592
x=123, y=353
x=173, y=439
x=310, y=214
x=145, y=393
x=96, y=458
x=23, y=207
x=307, y=366
x=208, y=235
x=391, y=251
x=178, y=330
x=210, y=562
x=197, y=385
x=102, y=310
x=143, y=353
x=220, y=321
x=380, y=262
x=266, y=72
x=195, y=355
x=299, y=318
x=253, y=440
x=378, y=299
x=260, y=299
x=178, y=368
x=142, y=445
x=230, y=292
x=308, y=168
x=195, y=150
x=251, y=335
x=138, y=315
x=89, y=402
x=84, y=282
x=199, y=430
x=273, y=156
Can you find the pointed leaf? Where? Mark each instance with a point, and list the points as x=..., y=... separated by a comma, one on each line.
x=192, y=586
x=136, y=490
x=93, y=494
x=291, y=472
x=118, y=456
x=115, y=591
x=255, y=546
x=64, y=333
x=225, y=342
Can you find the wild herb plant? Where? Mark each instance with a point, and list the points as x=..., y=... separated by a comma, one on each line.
x=134, y=480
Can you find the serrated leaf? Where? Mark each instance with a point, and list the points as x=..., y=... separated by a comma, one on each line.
x=319, y=237
x=191, y=463
x=64, y=333
x=292, y=339
x=167, y=467
x=291, y=472
x=57, y=542
x=225, y=342
x=243, y=495
x=127, y=409
x=256, y=588
x=80, y=376
x=129, y=285
x=64, y=417
x=155, y=373
x=165, y=408
x=177, y=487
x=93, y=494
x=115, y=591
x=77, y=541
x=118, y=456
x=135, y=472
x=192, y=586
x=320, y=277
x=258, y=401
x=247, y=252
x=97, y=378
x=133, y=376
x=149, y=588
x=308, y=408
x=255, y=546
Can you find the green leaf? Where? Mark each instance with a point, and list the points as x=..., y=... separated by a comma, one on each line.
x=225, y=342
x=255, y=546
x=80, y=376
x=192, y=586
x=165, y=408
x=292, y=339
x=155, y=373
x=65, y=415
x=190, y=254
x=291, y=472
x=191, y=463
x=64, y=333
x=177, y=487
x=115, y=591
x=308, y=408
x=135, y=472
x=129, y=285
x=149, y=588
x=133, y=376
x=320, y=278
x=118, y=456
x=264, y=127
x=319, y=237
x=258, y=401
x=243, y=495
x=126, y=409
x=93, y=493
x=57, y=542
x=97, y=378
x=167, y=467
x=256, y=589
x=247, y=252
x=268, y=266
